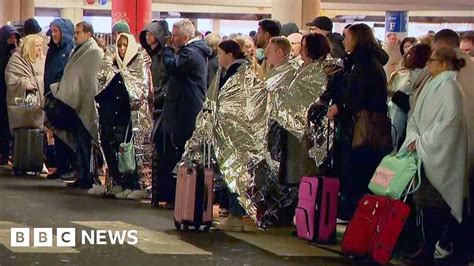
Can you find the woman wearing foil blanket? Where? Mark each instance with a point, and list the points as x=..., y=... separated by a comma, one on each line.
x=124, y=85
x=290, y=106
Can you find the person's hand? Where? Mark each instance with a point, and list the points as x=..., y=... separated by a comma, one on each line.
x=332, y=112
x=411, y=147
x=30, y=88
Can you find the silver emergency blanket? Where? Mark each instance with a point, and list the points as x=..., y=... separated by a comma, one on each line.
x=137, y=80
x=235, y=121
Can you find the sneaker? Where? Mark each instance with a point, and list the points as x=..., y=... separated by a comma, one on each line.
x=45, y=170
x=116, y=189
x=230, y=224
x=441, y=252
x=137, y=195
x=96, y=190
x=124, y=194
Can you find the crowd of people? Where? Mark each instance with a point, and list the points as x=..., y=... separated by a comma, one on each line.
x=270, y=107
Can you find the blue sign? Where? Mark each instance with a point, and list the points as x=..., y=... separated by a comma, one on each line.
x=103, y=2
x=396, y=21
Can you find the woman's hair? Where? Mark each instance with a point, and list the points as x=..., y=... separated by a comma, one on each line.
x=448, y=55
x=363, y=35
x=317, y=46
x=417, y=56
x=411, y=40
x=232, y=47
x=213, y=40
x=27, y=47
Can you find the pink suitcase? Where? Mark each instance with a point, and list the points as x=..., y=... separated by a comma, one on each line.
x=316, y=213
x=194, y=193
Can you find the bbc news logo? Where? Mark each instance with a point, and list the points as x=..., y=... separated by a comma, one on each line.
x=66, y=237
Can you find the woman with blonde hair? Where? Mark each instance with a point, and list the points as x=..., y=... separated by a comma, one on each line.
x=25, y=86
x=24, y=72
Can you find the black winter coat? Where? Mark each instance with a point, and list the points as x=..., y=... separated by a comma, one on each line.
x=58, y=55
x=187, y=87
x=114, y=112
x=366, y=82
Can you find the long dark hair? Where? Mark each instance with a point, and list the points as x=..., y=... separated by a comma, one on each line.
x=232, y=47
x=365, y=39
x=317, y=46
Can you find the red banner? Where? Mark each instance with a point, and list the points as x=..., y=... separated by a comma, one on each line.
x=137, y=13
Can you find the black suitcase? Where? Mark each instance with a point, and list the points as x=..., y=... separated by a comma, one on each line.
x=28, y=148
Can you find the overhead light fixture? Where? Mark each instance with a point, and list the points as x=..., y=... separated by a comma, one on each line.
x=174, y=14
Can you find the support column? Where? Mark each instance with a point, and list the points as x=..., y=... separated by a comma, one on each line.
x=9, y=13
x=297, y=11
x=137, y=13
x=76, y=15
x=396, y=22
x=27, y=9
x=216, y=26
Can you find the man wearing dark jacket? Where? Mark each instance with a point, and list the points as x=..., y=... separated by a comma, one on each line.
x=152, y=39
x=323, y=25
x=60, y=47
x=9, y=40
x=184, y=100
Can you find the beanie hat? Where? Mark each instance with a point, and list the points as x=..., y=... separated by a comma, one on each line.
x=288, y=28
x=121, y=27
x=322, y=23
x=31, y=26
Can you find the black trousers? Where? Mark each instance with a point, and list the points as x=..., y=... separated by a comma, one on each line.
x=110, y=146
x=169, y=149
x=65, y=157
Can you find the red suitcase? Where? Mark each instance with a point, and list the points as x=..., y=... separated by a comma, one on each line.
x=194, y=193
x=375, y=227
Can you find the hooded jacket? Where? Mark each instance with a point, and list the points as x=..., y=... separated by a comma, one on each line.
x=187, y=87
x=58, y=55
x=6, y=52
x=160, y=31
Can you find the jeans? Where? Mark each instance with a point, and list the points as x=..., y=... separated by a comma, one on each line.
x=83, y=152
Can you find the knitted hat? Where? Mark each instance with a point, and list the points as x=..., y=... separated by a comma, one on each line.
x=288, y=28
x=31, y=26
x=121, y=27
x=322, y=23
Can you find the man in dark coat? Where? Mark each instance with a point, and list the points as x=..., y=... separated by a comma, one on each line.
x=9, y=40
x=152, y=39
x=323, y=25
x=183, y=101
x=60, y=47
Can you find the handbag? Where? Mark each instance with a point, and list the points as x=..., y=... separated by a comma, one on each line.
x=374, y=129
x=26, y=115
x=126, y=155
x=394, y=173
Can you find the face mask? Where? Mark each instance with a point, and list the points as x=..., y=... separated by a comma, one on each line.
x=259, y=54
